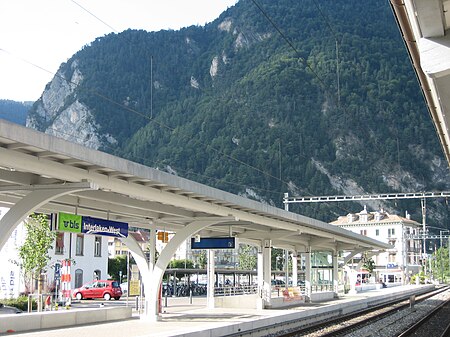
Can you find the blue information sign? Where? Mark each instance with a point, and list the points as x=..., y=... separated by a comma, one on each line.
x=213, y=243
x=104, y=227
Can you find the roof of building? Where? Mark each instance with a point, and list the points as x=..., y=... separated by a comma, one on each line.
x=140, y=236
x=373, y=218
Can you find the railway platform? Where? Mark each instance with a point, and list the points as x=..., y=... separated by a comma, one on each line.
x=184, y=319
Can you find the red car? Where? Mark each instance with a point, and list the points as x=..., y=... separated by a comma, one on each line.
x=98, y=289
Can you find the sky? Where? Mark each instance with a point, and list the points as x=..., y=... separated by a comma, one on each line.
x=36, y=36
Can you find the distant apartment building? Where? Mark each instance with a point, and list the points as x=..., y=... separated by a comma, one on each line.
x=395, y=264
x=88, y=253
x=116, y=247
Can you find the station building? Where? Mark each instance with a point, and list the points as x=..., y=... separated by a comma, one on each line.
x=396, y=265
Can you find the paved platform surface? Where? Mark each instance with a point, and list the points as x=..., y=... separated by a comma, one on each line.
x=181, y=318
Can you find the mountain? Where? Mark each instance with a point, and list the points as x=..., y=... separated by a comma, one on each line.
x=272, y=97
x=13, y=111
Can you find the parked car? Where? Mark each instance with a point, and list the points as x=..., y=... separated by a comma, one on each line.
x=278, y=283
x=6, y=310
x=106, y=289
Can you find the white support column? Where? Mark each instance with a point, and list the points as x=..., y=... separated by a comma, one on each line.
x=210, y=274
x=352, y=277
x=152, y=247
x=138, y=255
x=152, y=283
x=38, y=197
x=335, y=272
x=260, y=271
x=286, y=268
x=267, y=272
x=294, y=269
x=308, y=273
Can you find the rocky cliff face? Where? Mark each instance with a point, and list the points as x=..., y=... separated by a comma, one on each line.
x=60, y=114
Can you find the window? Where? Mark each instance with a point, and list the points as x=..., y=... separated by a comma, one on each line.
x=59, y=245
x=391, y=232
x=79, y=244
x=377, y=232
x=98, y=246
x=363, y=232
x=78, y=278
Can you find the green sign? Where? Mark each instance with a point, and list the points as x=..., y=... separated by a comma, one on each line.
x=69, y=222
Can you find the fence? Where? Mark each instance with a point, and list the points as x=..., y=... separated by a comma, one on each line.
x=237, y=290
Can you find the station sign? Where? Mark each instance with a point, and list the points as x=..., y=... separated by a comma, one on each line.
x=213, y=243
x=87, y=225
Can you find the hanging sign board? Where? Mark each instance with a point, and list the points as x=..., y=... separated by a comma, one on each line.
x=213, y=243
x=88, y=225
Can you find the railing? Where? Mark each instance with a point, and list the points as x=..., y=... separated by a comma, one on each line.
x=235, y=290
x=321, y=287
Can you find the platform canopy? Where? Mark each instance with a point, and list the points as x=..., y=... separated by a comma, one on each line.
x=424, y=25
x=100, y=185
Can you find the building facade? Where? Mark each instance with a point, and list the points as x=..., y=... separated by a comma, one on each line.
x=395, y=265
x=88, y=255
x=11, y=279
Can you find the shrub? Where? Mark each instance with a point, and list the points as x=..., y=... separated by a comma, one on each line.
x=21, y=303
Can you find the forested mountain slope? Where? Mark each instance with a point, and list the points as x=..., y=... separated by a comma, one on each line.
x=260, y=103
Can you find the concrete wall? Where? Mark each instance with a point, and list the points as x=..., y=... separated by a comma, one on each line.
x=240, y=301
x=61, y=318
x=276, y=325
x=322, y=296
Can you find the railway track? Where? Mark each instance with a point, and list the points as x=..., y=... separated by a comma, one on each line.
x=350, y=323
x=435, y=323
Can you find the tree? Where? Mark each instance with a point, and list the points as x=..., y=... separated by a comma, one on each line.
x=202, y=260
x=117, y=266
x=181, y=263
x=277, y=262
x=440, y=264
x=369, y=264
x=33, y=253
x=247, y=258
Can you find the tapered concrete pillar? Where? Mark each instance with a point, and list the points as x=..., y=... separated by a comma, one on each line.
x=308, y=273
x=335, y=273
x=153, y=281
x=286, y=268
x=294, y=269
x=352, y=277
x=260, y=274
x=210, y=272
x=267, y=272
